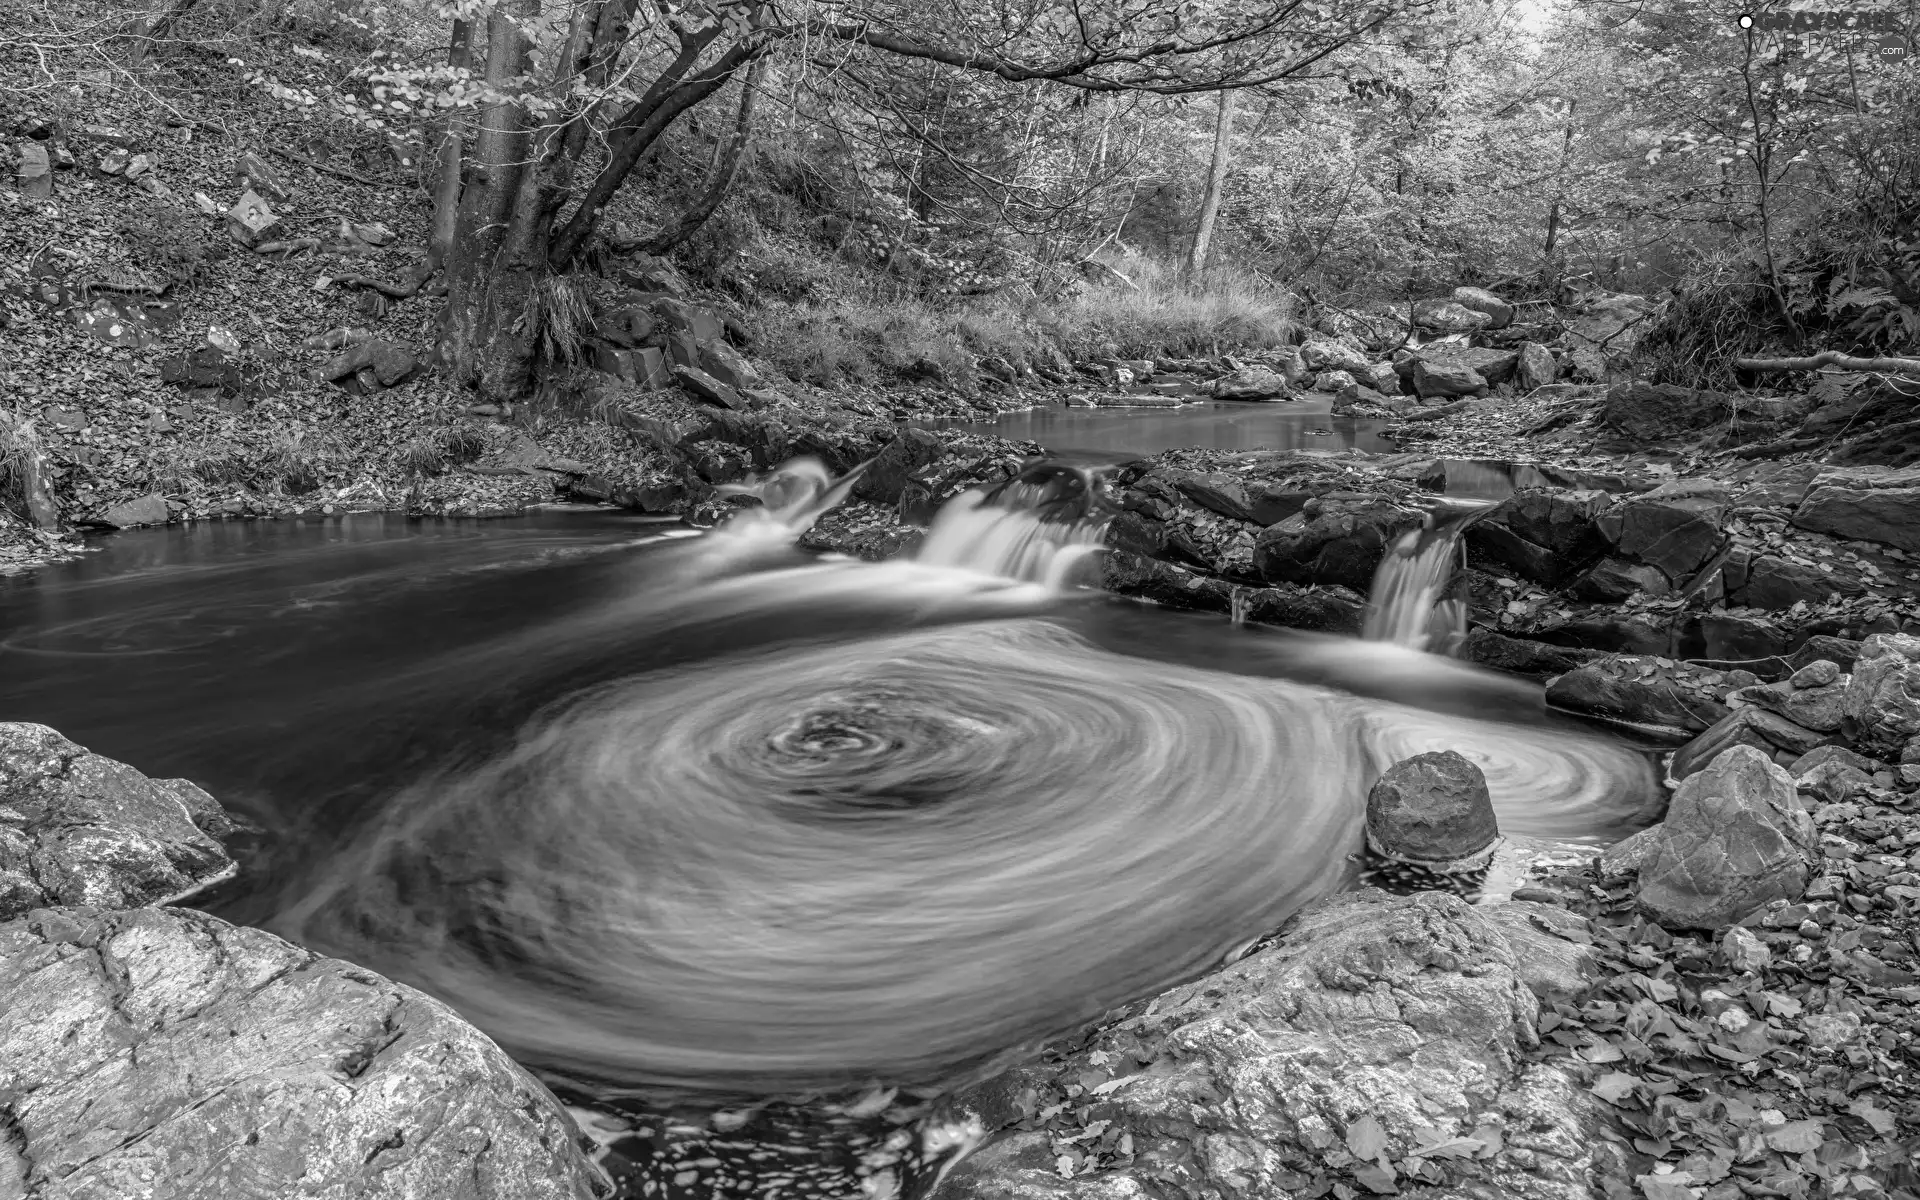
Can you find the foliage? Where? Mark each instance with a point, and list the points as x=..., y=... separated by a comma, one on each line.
x=174, y=244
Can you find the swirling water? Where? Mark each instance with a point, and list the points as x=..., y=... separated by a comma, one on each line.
x=705, y=815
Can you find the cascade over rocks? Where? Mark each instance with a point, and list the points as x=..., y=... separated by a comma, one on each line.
x=1735, y=837
x=1433, y=809
x=76, y=828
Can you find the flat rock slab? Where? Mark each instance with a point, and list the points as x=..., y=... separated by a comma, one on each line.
x=163, y=1053
x=1373, y=1022
x=76, y=828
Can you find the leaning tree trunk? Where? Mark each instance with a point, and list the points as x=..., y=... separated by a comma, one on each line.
x=732, y=153
x=1216, y=183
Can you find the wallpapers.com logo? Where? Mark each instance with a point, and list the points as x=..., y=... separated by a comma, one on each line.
x=1882, y=32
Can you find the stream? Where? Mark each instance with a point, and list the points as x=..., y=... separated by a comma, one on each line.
x=1210, y=424
x=700, y=813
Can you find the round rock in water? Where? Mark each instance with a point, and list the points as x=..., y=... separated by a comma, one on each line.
x=1433, y=809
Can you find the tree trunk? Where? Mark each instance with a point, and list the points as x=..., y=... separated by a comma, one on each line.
x=446, y=192
x=1559, y=192
x=482, y=304
x=1216, y=183
x=732, y=153
x=639, y=129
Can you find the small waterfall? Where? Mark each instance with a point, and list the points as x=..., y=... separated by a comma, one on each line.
x=792, y=497
x=1415, y=601
x=1237, y=603
x=1037, y=527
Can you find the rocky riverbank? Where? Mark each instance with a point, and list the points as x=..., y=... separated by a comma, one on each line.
x=1718, y=1007
x=157, y=1051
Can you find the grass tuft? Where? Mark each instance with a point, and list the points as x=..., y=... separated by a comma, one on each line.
x=20, y=454
x=874, y=339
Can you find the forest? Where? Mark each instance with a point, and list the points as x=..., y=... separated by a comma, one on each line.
x=960, y=599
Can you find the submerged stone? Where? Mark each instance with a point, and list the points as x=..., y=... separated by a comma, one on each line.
x=1432, y=809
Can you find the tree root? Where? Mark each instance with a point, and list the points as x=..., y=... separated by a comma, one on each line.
x=317, y=165
x=1830, y=358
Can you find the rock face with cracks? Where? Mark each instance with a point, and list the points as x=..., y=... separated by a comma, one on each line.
x=76, y=828
x=164, y=1053
x=1882, y=702
x=1378, y=1025
x=1432, y=809
x=1735, y=837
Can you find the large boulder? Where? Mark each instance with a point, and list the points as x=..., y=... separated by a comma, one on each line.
x=1676, y=527
x=1613, y=579
x=1333, y=539
x=1446, y=377
x=1446, y=316
x=1499, y=312
x=150, y=509
x=76, y=828
x=1323, y=355
x=1251, y=383
x=1376, y=1026
x=1433, y=809
x=1215, y=491
x=163, y=1053
x=1890, y=516
x=1636, y=691
x=913, y=451
x=1546, y=535
x=1771, y=733
x=1776, y=583
x=1495, y=366
x=1649, y=412
x=1604, y=328
x=1536, y=366
x=1882, y=704
x=1736, y=837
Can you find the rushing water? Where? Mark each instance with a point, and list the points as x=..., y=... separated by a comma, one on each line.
x=1415, y=601
x=706, y=815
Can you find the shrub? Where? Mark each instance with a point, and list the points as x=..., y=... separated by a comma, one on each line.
x=443, y=449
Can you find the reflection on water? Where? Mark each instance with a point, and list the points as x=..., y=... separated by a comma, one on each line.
x=1211, y=425
x=710, y=815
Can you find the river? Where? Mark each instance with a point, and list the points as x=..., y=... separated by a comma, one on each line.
x=700, y=812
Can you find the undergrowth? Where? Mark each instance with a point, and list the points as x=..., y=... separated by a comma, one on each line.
x=440, y=450
x=285, y=461
x=19, y=445
x=866, y=336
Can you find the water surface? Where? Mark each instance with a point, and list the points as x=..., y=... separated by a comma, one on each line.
x=708, y=814
x=1210, y=424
